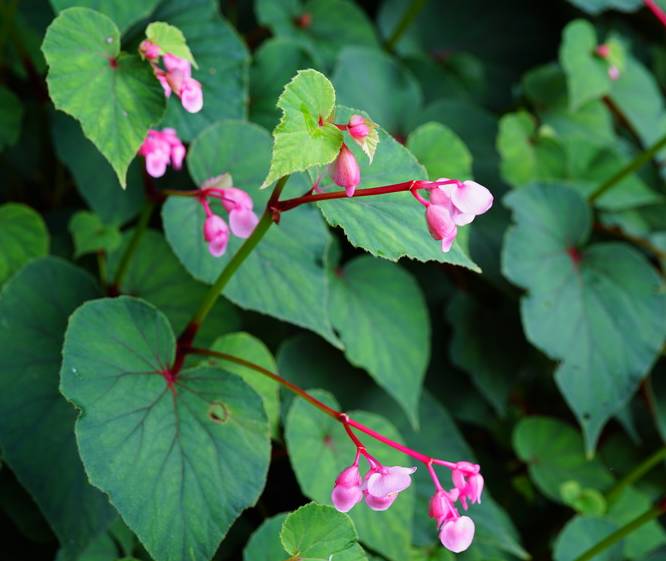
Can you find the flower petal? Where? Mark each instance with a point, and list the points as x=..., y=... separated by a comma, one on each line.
x=472, y=198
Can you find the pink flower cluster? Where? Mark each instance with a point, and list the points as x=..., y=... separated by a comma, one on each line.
x=161, y=148
x=236, y=202
x=381, y=485
x=345, y=170
x=176, y=76
x=452, y=203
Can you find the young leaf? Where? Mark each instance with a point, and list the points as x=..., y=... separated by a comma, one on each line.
x=155, y=442
x=319, y=450
x=320, y=533
x=11, y=114
x=170, y=39
x=304, y=137
x=571, y=289
x=263, y=283
x=122, y=12
x=23, y=236
x=115, y=96
x=37, y=422
x=381, y=315
x=587, y=74
x=91, y=235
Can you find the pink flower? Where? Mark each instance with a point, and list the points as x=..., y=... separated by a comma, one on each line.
x=347, y=490
x=176, y=77
x=441, y=225
x=149, y=50
x=161, y=148
x=468, y=481
x=456, y=535
x=345, y=171
x=602, y=51
x=441, y=506
x=191, y=95
x=469, y=197
x=216, y=233
x=613, y=72
x=382, y=485
x=357, y=127
x=239, y=206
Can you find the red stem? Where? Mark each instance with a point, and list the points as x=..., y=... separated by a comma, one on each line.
x=657, y=11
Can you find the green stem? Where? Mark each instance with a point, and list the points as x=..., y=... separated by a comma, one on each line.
x=140, y=228
x=408, y=17
x=633, y=166
x=620, y=533
x=237, y=260
x=635, y=474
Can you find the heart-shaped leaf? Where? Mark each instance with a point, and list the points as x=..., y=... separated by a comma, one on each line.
x=23, y=236
x=159, y=442
x=571, y=289
x=37, y=422
x=91, y=235
x=114, y=95
x=304, y=138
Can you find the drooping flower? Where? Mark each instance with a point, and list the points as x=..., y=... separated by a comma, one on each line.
x=236, y=202
x=383, y=484
x=357, y=127
x=345, y=171
x=216, y=233
x=160, y=149
x=457, y=534
x=441, y=225
x=347, y=491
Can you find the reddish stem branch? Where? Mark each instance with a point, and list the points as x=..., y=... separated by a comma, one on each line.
x=657, y=11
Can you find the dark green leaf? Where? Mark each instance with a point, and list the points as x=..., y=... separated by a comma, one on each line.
x=91, y=235
x=123, y=13
x=11, y=114
x=23, y=236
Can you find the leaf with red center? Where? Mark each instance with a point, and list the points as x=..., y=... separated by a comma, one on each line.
x=162, y=445
x=597, y=308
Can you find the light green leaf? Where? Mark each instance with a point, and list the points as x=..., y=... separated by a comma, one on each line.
x=91, y=235
x=223, y=60
x=554, y=454
x=156, y=443
x=441, y=151
x=381, y=315
x=11, y=114
x=170, y=39
x=115, y=96
x=304, y=138
x=37, y=429
x=580, y=534
x=247, y=347
x=23, y=236
x=95, y=179
x=589, y=502
x=264, y=544
x=320, y=533
x=122, y=12
x=390, y=226
x=587, y=74
x=570, y=290
x=319, y=450
x=262, y=283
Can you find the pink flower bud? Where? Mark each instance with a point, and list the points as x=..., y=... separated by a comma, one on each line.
x=347, y=489
x=236, y=199
x=149, y=50
x=345, y=171
x=191, y=95
x=243, y=222
x=457, y=535
x=216, y=233
x=156, y=163
x=475, y=488
x=382, y=485
x=175, y=63
x=357, y=127
x=441, y=506
x=441, y=225
x=602, y=51
x=613, y=72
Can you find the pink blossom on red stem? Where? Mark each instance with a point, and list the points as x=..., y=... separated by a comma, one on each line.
x=161, y=148
x=347, y=491
x=345, y=171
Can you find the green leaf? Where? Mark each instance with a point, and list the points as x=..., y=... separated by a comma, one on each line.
x=11, y=114
x=587, y=74
x=320, y=533
x=95, y=179
x=265, y=544
x=571, y=288
x=580, y=534
x=155, y=274
x=481, y=335
x=528, y=154
x=385, y=90
x=155, y=444
x=37, y=423
x=115, y=96
x=381, y=315
x=589, y=502
x=262, y=283
x=223, y=65
x=170, y=39
x=123, y=13
x=595, y=7
x=91, y=235
x=390, y=226
x=319, y=450
x=247, y=347
x=301, y=142
x=23, y=236
x=441, y=151
x=275, y=62
x=331, y=25
x=554, y=454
